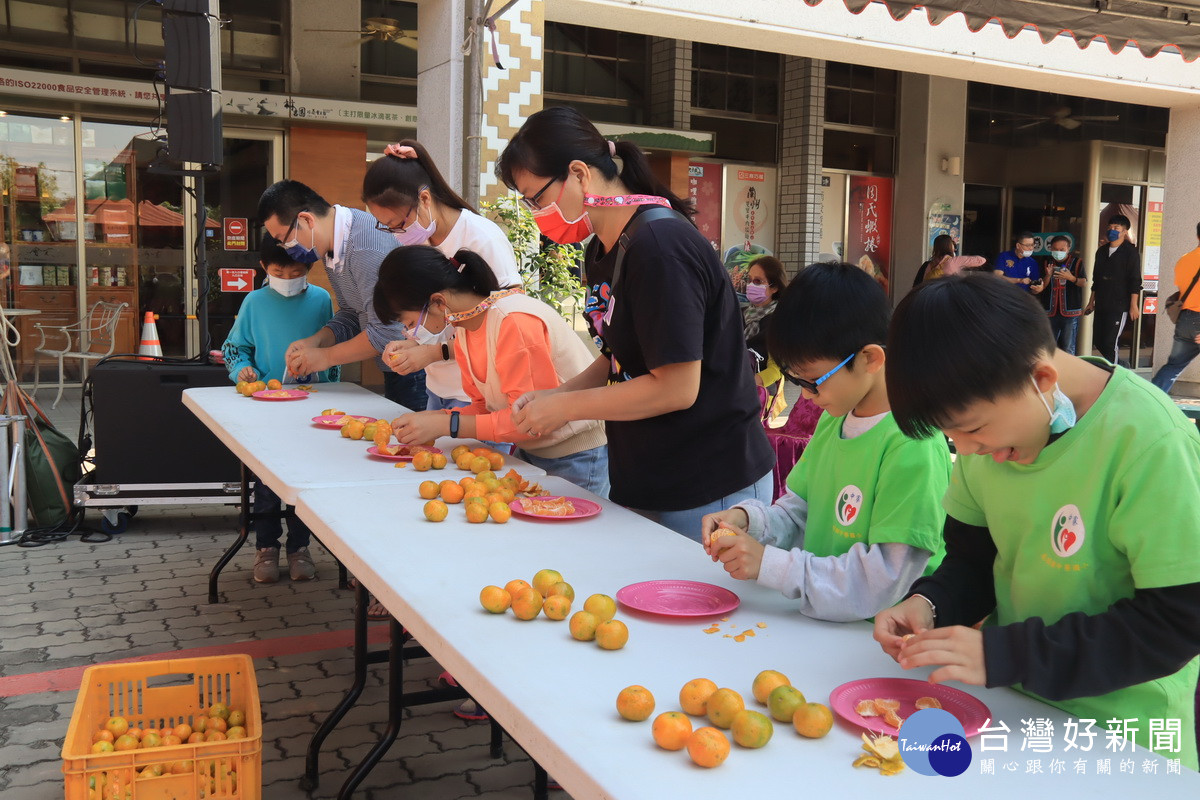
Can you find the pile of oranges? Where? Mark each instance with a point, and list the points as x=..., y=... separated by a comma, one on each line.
x=483, y=496
x=248, y=388
x=725, y=709
x=549, y=594
x=215, y=724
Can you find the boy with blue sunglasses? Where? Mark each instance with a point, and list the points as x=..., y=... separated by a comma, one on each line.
x=862, y=516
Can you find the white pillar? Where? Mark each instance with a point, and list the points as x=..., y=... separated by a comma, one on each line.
x=1181, y=207
x=933, y=128
x=801, y=149
x=440, y=84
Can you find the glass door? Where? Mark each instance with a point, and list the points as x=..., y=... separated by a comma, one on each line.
x=253, y=161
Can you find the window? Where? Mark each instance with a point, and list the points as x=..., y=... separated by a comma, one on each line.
x=860, y=118
x=735, y=80
x=604, y=70
x=1005, y=115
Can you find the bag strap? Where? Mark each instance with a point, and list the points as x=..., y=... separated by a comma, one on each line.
x=631, y=230
x=1183, y=297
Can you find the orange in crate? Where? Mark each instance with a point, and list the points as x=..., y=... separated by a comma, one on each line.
x=158, y=696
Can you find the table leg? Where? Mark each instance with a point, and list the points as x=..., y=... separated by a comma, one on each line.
x=395, y=709
x=497, y=744
x=243, y=534
x=541, y=789
x=312, y=775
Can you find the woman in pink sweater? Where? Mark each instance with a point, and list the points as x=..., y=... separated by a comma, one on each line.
x=507, y=344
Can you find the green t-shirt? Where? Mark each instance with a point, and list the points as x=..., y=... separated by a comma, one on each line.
x=1112, y=506
x=878, y=487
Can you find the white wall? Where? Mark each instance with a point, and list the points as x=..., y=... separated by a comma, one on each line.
x=1182, y=211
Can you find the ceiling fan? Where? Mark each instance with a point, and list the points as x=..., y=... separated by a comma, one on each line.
x=379, y=29
x=1060, y=116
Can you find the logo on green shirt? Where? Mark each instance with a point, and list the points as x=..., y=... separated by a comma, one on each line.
x=1067, y=533
x=849, y=503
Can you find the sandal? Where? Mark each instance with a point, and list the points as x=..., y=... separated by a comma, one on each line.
x=471, y=711
x=376, y=611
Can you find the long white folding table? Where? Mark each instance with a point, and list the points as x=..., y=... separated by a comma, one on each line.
x=556, y=696
x=278, y=443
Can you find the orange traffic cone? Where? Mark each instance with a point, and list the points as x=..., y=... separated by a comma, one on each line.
x=150, y=345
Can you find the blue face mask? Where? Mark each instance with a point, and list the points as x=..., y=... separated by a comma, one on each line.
x=1062, y=416
x=301, y=254
x=1113, y=235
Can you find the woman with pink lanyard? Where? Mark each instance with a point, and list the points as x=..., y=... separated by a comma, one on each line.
x=673, y=383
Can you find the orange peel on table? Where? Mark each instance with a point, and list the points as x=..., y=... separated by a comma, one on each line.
x=882, y=753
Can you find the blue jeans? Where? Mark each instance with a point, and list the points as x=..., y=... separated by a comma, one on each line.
x=587, y=469
x=436, y=403
x=267, y=530
x=407, y=390
x=1065, y=330
x=1183, y=350
x=687, y=522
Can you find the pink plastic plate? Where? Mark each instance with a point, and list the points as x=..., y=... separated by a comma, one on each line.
x=971, y=712
x=675, y=598
x=331, y=420
x=373, y=450
x=280, y=394
x=583, y=508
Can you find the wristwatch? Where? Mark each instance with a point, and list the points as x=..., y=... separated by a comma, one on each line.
x=445, y=352
x=453, y=423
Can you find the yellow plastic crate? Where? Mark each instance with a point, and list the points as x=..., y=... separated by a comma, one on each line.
x=158, y=695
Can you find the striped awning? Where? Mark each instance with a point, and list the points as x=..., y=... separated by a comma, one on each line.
x=1150, y=27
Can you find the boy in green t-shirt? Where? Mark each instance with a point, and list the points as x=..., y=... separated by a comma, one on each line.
x=862, y=516
x=1073, y=518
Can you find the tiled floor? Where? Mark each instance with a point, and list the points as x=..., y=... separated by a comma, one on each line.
x=144, y=593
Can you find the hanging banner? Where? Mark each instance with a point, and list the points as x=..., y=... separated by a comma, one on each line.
x=870, y=226
x=1152, y=247
x=704, y=189
x=749, y=218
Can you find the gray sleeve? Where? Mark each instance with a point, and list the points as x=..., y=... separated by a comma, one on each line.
x=780, y=524
x=856, y=585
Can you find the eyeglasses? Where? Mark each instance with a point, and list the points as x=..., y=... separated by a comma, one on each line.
x=813, y=386
x=292, y=227
x=379, y=226
x=532, y=203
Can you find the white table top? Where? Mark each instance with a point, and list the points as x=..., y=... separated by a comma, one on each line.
x=279, y=443
x=556, y=696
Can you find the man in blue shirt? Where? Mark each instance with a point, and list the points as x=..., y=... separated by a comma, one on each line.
x=1017, y=265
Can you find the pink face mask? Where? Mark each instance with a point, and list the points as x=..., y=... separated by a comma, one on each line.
x=557, y=228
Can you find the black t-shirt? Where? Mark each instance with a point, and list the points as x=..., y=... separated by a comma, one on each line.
x=674, y=304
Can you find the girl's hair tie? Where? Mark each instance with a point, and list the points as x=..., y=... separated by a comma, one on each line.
x=400, y=151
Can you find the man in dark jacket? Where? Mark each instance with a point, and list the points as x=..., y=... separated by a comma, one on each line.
x=1117, y=287
x=1064, y=276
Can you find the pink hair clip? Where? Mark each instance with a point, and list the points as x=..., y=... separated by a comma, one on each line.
x=612, y=148
x=399, y=151
x=456, y=264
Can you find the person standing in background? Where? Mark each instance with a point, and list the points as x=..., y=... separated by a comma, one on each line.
x=1063, y=301
x=1116, y=287
x=1186, y=344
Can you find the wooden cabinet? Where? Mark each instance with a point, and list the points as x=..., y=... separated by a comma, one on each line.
x=57, y=305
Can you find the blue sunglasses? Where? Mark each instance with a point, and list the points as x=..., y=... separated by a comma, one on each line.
x=813, y=386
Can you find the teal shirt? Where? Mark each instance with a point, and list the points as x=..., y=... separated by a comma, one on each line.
x=267, y=323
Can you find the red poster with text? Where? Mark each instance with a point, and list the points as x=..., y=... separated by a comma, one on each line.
x=236, y=237
x=869, y=245
x=704, y=189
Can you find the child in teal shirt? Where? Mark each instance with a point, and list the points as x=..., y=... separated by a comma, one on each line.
x=862, y=517
x=1073, y=521
x=285, y=309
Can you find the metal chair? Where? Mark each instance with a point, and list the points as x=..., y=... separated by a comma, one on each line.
x=95, y=338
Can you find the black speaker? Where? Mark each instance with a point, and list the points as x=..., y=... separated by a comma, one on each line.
x=194, y=127
x=192, y=51
x=192, y=71
x=144, y=434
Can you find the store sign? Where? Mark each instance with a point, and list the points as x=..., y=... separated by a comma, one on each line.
x=235, y=233
x=704, y=189
x=1152, y=247
x=236, y=280
x=870, y=226
x=61, y=86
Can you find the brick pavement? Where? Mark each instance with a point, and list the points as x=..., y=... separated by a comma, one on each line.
x=144, y=593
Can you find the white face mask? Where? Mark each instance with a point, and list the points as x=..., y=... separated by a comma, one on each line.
x=422, y=335
x=288, y=287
